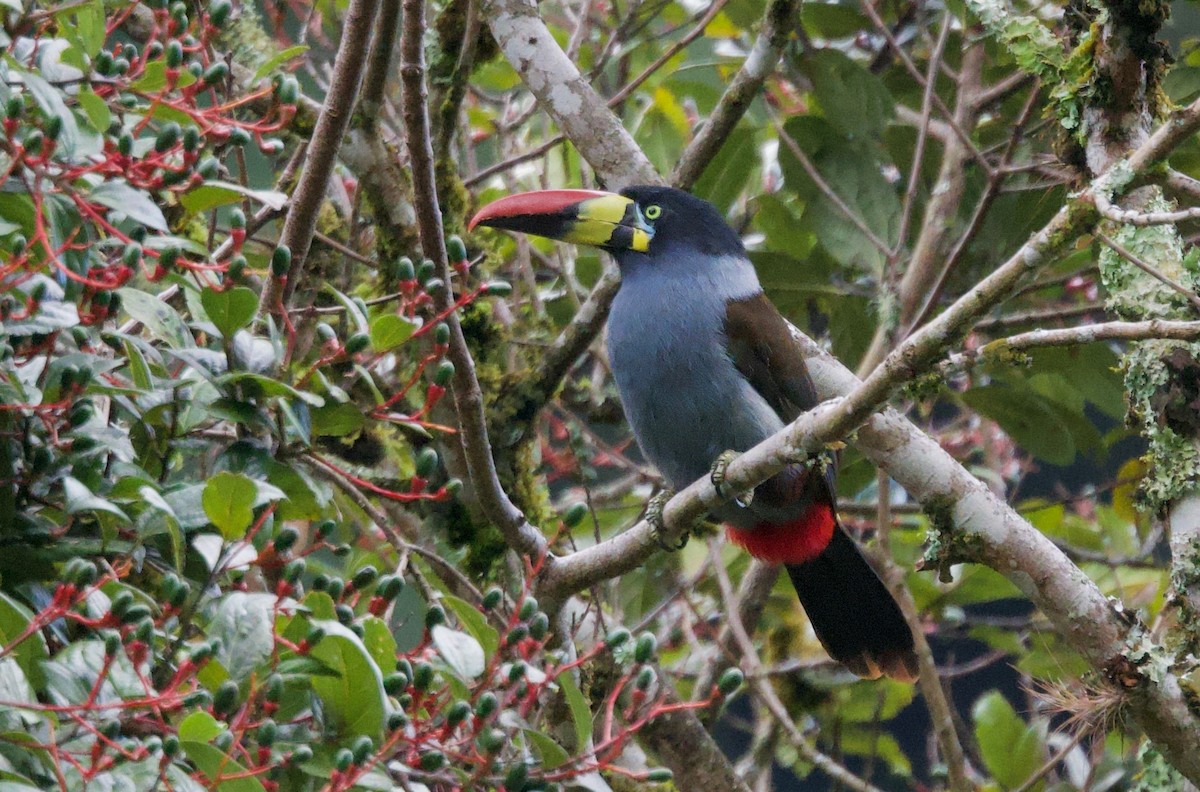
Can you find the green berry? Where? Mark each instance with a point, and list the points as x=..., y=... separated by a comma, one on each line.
x=443, y=373
x=357, y=343
x=730, y=681
x=225, y=699
x=423, y=677
x=281, y=261
x=362, y=748
x=365, y=577
x=539, y=626
x=397, y=720
x=456, y=251
x=441, y=333
x=425, y=465
x=273, y=689
x=432, y=761
x=499, y=288
x=215, y=74
x=486, y=705
x=267, y=732
x=645, y=678
x=219, y=11
x=457, y=713
x=646, y=645
x=492, y=598
x=302, y=754
x=239, y=137
x=660, y=775
x=575, y=514
x=287, y=537
x=294, y=569
x=529, y=607
x=617, y=638
x=404, y=269
x=434, y=616
x=167, y=137
x=343, y=759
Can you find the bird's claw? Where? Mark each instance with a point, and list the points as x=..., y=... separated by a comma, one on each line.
x=717, y=477
x=658, y=528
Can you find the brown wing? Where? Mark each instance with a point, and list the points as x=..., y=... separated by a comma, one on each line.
x=764, y=351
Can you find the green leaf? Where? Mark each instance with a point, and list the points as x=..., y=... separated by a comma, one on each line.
x=552, y=754
x=278, y=59
x=213, y=194
x=854, y=100
x=354, y=701
x=95, y=108
x=1027, y=418
x=159, y=318
x=199, y=726
x=230, y=310
x=228, y=502
x=268, y=387
x=337, y=420
x=133, y=203
x=727, y=174
x=852, y=169
x=379, y=641
x=244, y=622
x=154, y=78
x=31, y=652
x=50, y=100
x=390, y=331
x=461, y=652
x=221, y=770
x=1011, y=749
x=581, y=714
x=82, y=499
x=475, y=623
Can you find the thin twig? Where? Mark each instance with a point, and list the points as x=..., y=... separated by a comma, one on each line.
x=758, y=680
x=1136, y=261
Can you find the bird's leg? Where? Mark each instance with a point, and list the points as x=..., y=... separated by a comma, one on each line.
x=658, y=528
x=717, y=477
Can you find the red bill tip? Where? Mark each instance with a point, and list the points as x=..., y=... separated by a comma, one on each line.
x=540, y=202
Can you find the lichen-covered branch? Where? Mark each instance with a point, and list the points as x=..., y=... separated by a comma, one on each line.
x=566, y=95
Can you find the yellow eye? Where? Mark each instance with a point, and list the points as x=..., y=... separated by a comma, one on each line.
x=653, y=212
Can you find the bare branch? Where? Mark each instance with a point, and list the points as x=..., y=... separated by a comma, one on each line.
x=778, y=23
x=1133, y=217
x=468, y=400
x=332, y=123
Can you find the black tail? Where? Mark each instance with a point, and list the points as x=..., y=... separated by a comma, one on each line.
x=853, y=613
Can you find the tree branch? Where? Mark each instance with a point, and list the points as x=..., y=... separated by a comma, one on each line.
x=564, y=93
x=467, y=397
x=778, y=22
x=332, y=123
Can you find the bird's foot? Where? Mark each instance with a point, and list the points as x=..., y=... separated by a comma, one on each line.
x=717, y=477
x=658, y=527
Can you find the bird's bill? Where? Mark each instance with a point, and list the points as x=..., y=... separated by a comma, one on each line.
x=582, y=217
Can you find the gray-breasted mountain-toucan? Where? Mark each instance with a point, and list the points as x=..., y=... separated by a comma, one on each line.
x=705, y=364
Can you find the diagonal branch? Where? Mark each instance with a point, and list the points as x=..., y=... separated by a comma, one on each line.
x=779, y=21
x=566, y=95
x=331, y=126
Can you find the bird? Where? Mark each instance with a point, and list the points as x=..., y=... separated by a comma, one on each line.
x=707, y=367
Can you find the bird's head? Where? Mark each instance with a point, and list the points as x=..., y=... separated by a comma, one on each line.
x=638, y=224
